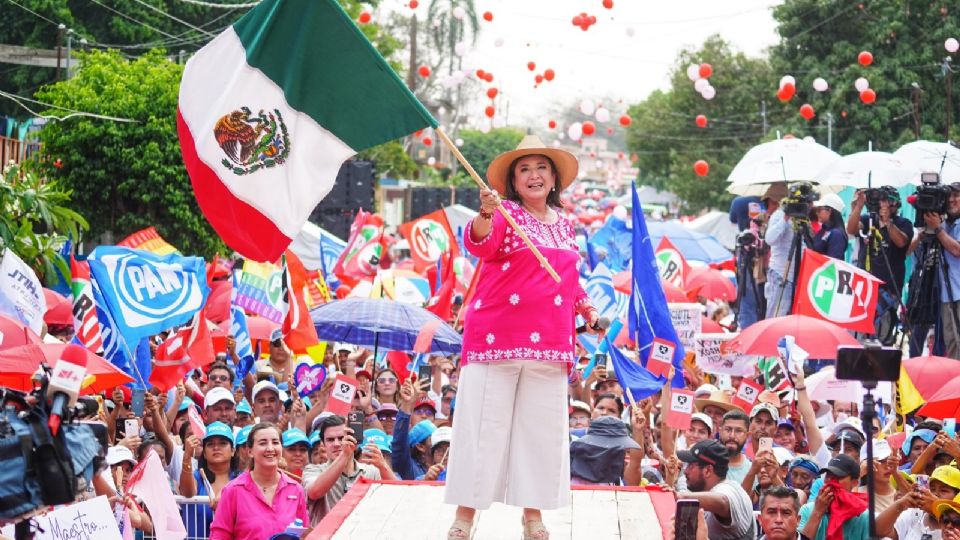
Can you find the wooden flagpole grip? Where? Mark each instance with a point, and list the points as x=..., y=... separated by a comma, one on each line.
x=503, y=211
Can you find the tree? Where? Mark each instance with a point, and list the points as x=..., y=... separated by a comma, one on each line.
x=480, y=148
x=36, y=222
x=126, y=175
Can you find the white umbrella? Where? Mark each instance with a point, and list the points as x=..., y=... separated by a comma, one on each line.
x=824, y=385
x=866, y=169
x=782, y=160
x=929, y=156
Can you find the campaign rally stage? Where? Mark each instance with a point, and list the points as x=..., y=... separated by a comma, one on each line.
x=395, y=510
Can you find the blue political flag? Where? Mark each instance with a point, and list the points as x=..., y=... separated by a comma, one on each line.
x=330, y=249
x=610, y=303
x=614, y=238
x=114, y=348
x=240, y=332
x=144, y=361
x=649, y=314
x=147, y=293
x=641, y=383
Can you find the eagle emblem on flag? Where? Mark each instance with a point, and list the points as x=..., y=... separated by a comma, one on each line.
x=252, y=142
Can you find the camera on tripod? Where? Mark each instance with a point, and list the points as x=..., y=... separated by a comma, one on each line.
x=799, y=200
x=931, y=196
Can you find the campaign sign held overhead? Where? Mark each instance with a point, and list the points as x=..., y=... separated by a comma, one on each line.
x=147, y=293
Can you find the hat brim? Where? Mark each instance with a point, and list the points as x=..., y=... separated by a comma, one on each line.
x=836, y=471
x=687, y=456
x=701, y=403
x=941, y=506
x=566, y=163
x=609, y=442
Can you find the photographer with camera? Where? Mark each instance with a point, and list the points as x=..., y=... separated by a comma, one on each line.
x=752, y=253
x=947, y=234
x=883, y=238
x=787, y=230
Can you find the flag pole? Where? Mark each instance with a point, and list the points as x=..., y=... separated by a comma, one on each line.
x=483, y=185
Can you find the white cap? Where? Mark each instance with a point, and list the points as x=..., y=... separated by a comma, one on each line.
x=850, y=423
x=264, y=385
x=782, y=455
x=216, y=395
x=580, y=406
x=760, y=407
x=703, y=418
x=704, y=390
x=440, y=435
x=881, y=450
x=832, y=201
x=119, y=454
x=341, y=346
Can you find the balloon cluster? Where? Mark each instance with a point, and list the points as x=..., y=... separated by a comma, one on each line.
x=788, y=88
x=585, y=21
x=700, y=75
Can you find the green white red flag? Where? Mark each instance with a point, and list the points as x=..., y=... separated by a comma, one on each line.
x=429, y=237
x=672, y=264
x=271, y=108
x=837, y=292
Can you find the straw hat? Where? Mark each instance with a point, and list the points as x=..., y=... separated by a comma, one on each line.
x=717, y=399
x=565, y=162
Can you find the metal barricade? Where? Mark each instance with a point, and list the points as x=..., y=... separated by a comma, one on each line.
x=196, y=515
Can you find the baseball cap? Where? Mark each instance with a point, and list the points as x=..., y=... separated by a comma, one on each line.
x=219, y=429
x=927, y=435
x=853, y=423
x=441, y=435
x=426, y=402
x=388, y=407
x=782, y=455
x=185, y=404
x=830, y=200
x=787, y=423
x=216, y=395
x=947, y=474
x=421, y=432
x=377, y=437
x=938, y=507
x=760, y=407
x=243, y=435
x=704, y=390
x=843, y=466
x=276, y=337
x=264, y=385
x=244, y=407
x=119, y=454
x=849, y=437
x=881, y=450
x=708, y=451
x=314, y=438
x=294, y=436
x=703, y=417
x=579, y=406
x=363, y=373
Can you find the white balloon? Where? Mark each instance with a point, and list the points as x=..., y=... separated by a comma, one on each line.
x=459, y=12
x=700, y=84
x=458, y=142
x=787, y=79
x=499, y=122
x=460, y=48
x=431, y=161
x=620, y=213
x=498, y=42
x=630, y=31
x=861, y=84
x=951, y=45
x=587, y=107
x=709, y=93
x=575, y=131
x=693, y=72
x=602, y=115
x=820, y=84
x=808, y=138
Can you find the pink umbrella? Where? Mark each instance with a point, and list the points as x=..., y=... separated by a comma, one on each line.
x=17, y=366
x=819, y=338
x=711, y=284
x=931, y=373
x=15, y=334
x=59, y=308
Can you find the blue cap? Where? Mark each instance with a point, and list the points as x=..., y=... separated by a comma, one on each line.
x=314, y=439
x=219, y=429
x=377, y=437
x=293, y=436
x=244, y=407
x=927, y=435
x=243, y=434
x=184, y=405
x=421, y=432
x=276, y=335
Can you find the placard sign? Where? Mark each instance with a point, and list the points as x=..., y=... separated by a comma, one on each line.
x=681, y=409
x=341, y=395
x=715, y=354
x=661, y=357
x=85, y=520
x=747, y=394
x=687, y=322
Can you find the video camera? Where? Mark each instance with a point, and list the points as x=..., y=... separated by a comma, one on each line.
x=931, y=196
x=875, y=196
x=799, y=200
x=749, y=242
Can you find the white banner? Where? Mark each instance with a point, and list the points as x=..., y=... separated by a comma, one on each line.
x=687, y=321
x=21, y=295
x=716, y=355
x=85, y=520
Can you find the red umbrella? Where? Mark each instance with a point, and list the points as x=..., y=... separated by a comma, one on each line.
x=819, y=338
x=17, y=366
x=14, y=334
x=945, y=403
x=623, y=282
x=59, y=308
x=930, y=373
x=710, y=326
x=711, y=284
x=261, y=328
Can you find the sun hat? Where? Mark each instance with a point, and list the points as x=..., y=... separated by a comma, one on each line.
x=927, y=435
x=705, y=390
x=565, y=162
x=830, y=200
x=717, y=399
x=939, y=506
x=219, y=429
x=421, y=432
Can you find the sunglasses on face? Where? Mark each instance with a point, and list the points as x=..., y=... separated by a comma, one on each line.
x=386, y=380
x=951, y=521
x=385, y=417
x=424, y=411
x=219, y=378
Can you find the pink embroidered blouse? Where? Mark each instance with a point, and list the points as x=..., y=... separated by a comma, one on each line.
x=518, y=311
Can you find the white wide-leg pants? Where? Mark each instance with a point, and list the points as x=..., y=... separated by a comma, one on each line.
x=511, y=439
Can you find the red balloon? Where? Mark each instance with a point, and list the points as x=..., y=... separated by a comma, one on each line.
x=593, y=19
x=868, y=96
x=481, y=74
x=609, y=131
x=424, y=71
x=589, y=128
x=608, y=4
x=538, y=78
x=487, y=16
x=786, y=92
x=414, y=4
x=701, y=121
x=865, y=58
x=548, y=74
x=625, y=120
x=706, y=70
x=531, y=66
x=701, y=167
x=427, y=141
x=489, y=111
x=492, y=93
x=488, y=77
x=577, y=20
x=552, y=124
x=364, y=18
x=807, y=112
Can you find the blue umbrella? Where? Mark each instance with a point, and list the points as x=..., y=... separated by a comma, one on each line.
x=692, y=244
x=376, y=322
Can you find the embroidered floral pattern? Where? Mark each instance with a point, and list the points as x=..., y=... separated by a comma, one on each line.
x=490, y=339
x=514, y=299
x=477, y=304
x=557, y=300
x=506, y=266
x=502, y=355
x=535, y=337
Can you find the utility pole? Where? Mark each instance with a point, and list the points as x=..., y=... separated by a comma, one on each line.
x=60, y=30
x=830, y=130
x=916, y=90
x=69, y=46
x=947, y=71
x=412, y=69
x=763, y=116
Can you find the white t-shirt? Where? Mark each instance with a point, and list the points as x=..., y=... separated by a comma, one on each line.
x=742, y=523
x=912, y=525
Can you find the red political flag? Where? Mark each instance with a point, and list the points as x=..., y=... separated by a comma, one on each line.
x=365, y=248
x=86, y=325
x=298, y=331
x=836, y=291
x=189, y=348
x=441, y=304
x=430, y=237
x=671, y=263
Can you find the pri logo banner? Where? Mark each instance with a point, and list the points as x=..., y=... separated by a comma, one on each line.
x=429, y=238
x=146, y=293
x=671, y=263
x=838, y=292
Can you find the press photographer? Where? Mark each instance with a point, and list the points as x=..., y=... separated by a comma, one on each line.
x=883, y=238
x=787, y=231
x=752, y=252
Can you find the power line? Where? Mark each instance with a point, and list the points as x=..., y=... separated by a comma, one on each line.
x=20, y=99
x=220, y=6
x=33, y=12
x=141, y=23
x=167, y=15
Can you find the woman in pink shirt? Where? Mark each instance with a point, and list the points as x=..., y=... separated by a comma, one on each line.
x=510, y=438
x=262, y=501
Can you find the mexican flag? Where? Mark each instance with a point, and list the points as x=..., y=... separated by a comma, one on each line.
x=271, y=108
x=836, y=291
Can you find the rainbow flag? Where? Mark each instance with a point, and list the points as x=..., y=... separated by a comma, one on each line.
x=259, y=290
x=149, y=240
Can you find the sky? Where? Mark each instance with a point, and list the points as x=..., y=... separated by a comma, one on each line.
x=605, y=61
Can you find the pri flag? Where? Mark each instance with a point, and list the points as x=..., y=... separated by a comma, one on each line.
x=240, y=332
x=149, y=240
x=86, y=325
x=361, y=258
x=672, y=264
x=429, y=237
x=21, y=295
x=298, y=331
x=189, y=348
x=837, y=292
x=268, y=112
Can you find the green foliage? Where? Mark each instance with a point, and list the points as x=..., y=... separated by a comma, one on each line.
x=391, y=160
x=35, y=221
x=480, y=148
x=126, y=176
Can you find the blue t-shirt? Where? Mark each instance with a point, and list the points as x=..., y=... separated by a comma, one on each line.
x=953, y=265
x=740, y=211
x=831, y=242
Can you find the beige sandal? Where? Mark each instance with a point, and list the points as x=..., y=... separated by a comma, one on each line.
x=460, y=530
x=534, y=530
